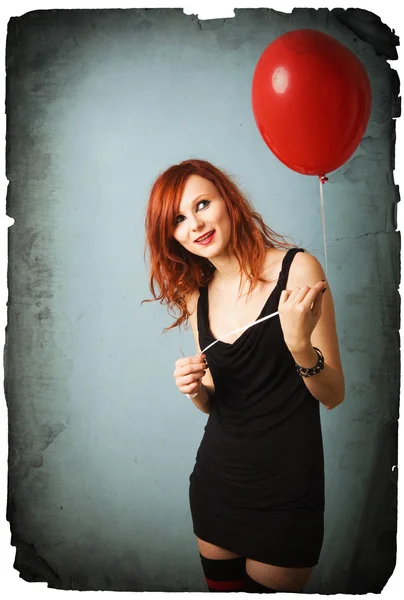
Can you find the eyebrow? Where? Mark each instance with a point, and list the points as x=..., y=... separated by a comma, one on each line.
x=196, y=200
x=200, y=196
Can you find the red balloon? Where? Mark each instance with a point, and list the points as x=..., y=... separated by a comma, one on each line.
x=311, y=99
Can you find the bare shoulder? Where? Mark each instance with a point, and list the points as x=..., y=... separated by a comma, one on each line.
x=273, y=255
x=192, y=303
x=305, y=269
x=273, y=260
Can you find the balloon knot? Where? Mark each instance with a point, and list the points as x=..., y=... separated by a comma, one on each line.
x=323, y=178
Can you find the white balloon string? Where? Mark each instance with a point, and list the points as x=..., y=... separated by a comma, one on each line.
x=276, y=313
x=323, y=225
x=240, y=329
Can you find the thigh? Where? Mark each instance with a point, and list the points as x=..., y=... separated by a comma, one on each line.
x=282, y=579
x=213, y=552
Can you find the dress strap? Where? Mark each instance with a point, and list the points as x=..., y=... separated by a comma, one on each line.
x=287, y=261
x=202, y=309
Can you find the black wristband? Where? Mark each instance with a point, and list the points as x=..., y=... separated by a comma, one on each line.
x=304, y=372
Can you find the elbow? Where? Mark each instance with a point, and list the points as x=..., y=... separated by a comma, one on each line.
x=331, y=406
x=337, y=399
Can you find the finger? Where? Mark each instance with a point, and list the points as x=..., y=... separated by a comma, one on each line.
x=190, y=389
x=316, y=311
x=288, y=297
x=204, y=359
x=311, y=295
x=191, y=367
x=318, y=302
x=182, y=362
x=284, y=297
x=301, y=294
x=188, y=379
x=188, y=360
x=298, y=293
x=188, y=369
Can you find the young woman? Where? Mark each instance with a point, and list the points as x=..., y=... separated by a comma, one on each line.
x=257, y=488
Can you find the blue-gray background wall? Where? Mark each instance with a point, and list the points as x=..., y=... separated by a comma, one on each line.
x=101, y=442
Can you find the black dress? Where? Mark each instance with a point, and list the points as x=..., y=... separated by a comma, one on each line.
x=257, y=487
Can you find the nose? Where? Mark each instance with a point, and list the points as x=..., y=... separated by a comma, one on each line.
x=195, y=222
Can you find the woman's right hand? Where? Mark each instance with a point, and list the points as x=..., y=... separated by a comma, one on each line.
x=189, y=372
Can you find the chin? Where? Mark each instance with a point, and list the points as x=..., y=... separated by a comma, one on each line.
x=202, y=254
x=212, y=254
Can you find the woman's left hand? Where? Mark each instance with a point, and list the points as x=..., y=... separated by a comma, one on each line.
x=299, y=312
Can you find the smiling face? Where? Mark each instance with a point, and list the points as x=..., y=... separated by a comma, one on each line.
x=202, y=225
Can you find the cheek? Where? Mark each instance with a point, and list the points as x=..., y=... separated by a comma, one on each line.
x=225, y=223
x=179, y=235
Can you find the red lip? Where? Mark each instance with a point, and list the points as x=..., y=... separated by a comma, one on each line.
x=202, y=239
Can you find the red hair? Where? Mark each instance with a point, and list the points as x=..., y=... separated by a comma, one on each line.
x=178, y=273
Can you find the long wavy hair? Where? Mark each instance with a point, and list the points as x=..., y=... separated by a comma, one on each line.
x=175, y=271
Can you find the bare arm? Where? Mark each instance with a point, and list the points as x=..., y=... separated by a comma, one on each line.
x=328, y=386
x=204, y=399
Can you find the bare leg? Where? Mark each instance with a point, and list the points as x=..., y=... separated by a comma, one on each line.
x=214, y=552
x=281, y=579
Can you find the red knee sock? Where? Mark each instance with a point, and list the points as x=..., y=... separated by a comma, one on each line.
x=224, y=575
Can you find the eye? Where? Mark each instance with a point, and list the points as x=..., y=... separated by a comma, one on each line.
x=205, y=203
x=178, y=220
x=200, y=206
